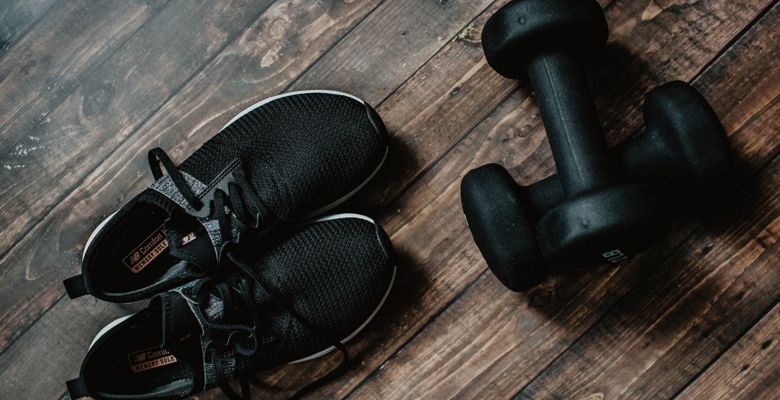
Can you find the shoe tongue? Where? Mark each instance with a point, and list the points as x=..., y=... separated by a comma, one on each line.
x=177, y=318
x=181, y=334
x=188, y=238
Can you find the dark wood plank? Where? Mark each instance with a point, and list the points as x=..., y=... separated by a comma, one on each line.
x=80, y=230
x=490, y=342
x=36, y=75
x=494, y=361
x=675, y=321
x=663, y=332
x=133, y=83
x=109, y=104
x=40, y=354
x=32, y=204
x=448, y=100
x=424, y=224
x=298, y=31
x=440, y=104
x=16, y=17
x=196, y=113
x=748, y=370
x=389, y=46
x=418, y=113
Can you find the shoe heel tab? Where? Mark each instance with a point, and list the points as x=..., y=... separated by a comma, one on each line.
x=77, y=388
x=76, y=286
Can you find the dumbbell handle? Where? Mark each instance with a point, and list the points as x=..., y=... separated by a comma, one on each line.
x=573, y=128
x=547, y=193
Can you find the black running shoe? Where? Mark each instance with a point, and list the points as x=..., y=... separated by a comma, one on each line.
x=314, y=291
x=285, y=159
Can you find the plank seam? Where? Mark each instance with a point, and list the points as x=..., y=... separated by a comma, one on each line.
x=28, y=30
x=78, y=184
x=143, y=121
x=451, y=40
x=759, y=171
x=415, y=180
x=331, y=47
x=423, y=172
x=761, y=14
x=91, y=68
x=24, y=234
x=23, y=332
x=707, y=366
x=430, y=321
x=177, y=91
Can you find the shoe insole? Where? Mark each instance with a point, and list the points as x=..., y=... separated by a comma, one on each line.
x=134, y=253
x=131, y=362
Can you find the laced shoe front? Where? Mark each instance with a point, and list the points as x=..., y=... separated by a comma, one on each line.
x=304, y=297
x=283, y=160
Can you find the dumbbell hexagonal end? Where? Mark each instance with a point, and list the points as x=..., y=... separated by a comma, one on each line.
x=502, y=223
x=680, y=117
x=525, y=28
x=609, y=225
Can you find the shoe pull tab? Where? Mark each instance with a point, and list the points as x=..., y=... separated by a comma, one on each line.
x=76, y=286
x=77, y=388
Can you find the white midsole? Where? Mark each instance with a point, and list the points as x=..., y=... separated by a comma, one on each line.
x=362, y=326
x=95, y=232
x=283, y=95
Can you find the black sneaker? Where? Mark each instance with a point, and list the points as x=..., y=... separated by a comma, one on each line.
x=304, y=298
x=285, y=159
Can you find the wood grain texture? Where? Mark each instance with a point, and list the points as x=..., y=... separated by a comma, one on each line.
x=665, y=330
x=750, y=369
x=52, y=352
x=63, y=50
x=444, y=101
x=191, y=107
x=482, y=361
x=130, y=85
x=646, y=330
x=306, y=32
x=16, y=17
x=147, y=69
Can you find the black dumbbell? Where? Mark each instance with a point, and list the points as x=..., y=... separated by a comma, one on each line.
x=589, y=214
x=682, y=149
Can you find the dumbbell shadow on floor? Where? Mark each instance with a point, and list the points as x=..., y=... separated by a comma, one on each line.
x=602, y=206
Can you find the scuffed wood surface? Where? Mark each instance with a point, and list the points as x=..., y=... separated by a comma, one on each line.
x=87, y=87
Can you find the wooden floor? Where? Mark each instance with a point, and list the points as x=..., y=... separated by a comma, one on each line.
x=86, y=87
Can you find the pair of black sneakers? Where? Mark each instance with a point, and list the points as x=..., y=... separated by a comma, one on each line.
x=242, y=273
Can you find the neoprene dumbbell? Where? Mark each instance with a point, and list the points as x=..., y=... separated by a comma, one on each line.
x=601, y=207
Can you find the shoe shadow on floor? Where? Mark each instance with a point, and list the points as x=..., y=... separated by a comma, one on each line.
x=392, y=180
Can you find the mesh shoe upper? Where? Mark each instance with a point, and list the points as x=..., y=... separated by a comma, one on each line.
x=308, y=150
x=319, y=285
x=296, y=155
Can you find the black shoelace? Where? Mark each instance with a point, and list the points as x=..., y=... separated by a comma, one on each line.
x=238, y=196
x=237, y=298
